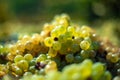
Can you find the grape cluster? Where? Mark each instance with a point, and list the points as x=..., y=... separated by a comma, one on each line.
x=62, y=51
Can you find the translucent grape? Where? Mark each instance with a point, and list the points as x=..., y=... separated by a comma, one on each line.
x=23, y=64
x=52, y=52
x=69, y=58
x=56, y=45
x=28, y=57
x=18, y=58
x=84, y=45
x=48, y=41
x=41, y=57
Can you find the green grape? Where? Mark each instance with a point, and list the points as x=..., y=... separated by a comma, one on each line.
x=37, y=77
x=54, y=33
x=62, y=38
x=97, y=71
x=27, y=74
x=18, y=58
x=18, y=71
x=61, y=29
x=53, y=76
x=52, y=52
x=84, y=54
x=48, y=41
x=75, y=48
x=32, y=62
x=84, y=45
x=56, y=45
x=88, y=39
x=68, y=35
x=69, y=58
x=41, y=57
x=23, y=64
x=84, y=34
x=106, y=76
x=32, y=69
x=94, y=46
x=78, y=59
x=51, y=66
x=28, y=57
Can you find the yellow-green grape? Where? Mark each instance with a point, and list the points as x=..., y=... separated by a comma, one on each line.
x=28, y=45
x=84, y=34
x=37, y=77
x=32, y=69
x=85, y=54
x=85, y=69
x=62, y=38
x=53, y=76
x=106, y=76
x=88, y=39
x=18, y=58
x=61, y=29
x=97, y=71
x=41, y=57
x=52, y=52
x=54, y=33
x=51, y=66
x=18, y=71
x=69, y=58
x=56, y=45
x=71, y=29
x=28, y=57
x=23, y=64
x=48, y=42
x=84, y=45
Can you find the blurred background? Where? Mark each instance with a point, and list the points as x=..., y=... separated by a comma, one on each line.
x=28, y=16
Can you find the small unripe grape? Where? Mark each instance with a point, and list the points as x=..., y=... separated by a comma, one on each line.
x=28, y=57
x=23, y=64
x=51, y=66
x=84, y=45
x=56, y=45
x=69, y=58
x=84, y=34
x=52, y=52
x=18, y=71
x=18, y=58
x=71, y=29
x=48, y=41
x=41, y=57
